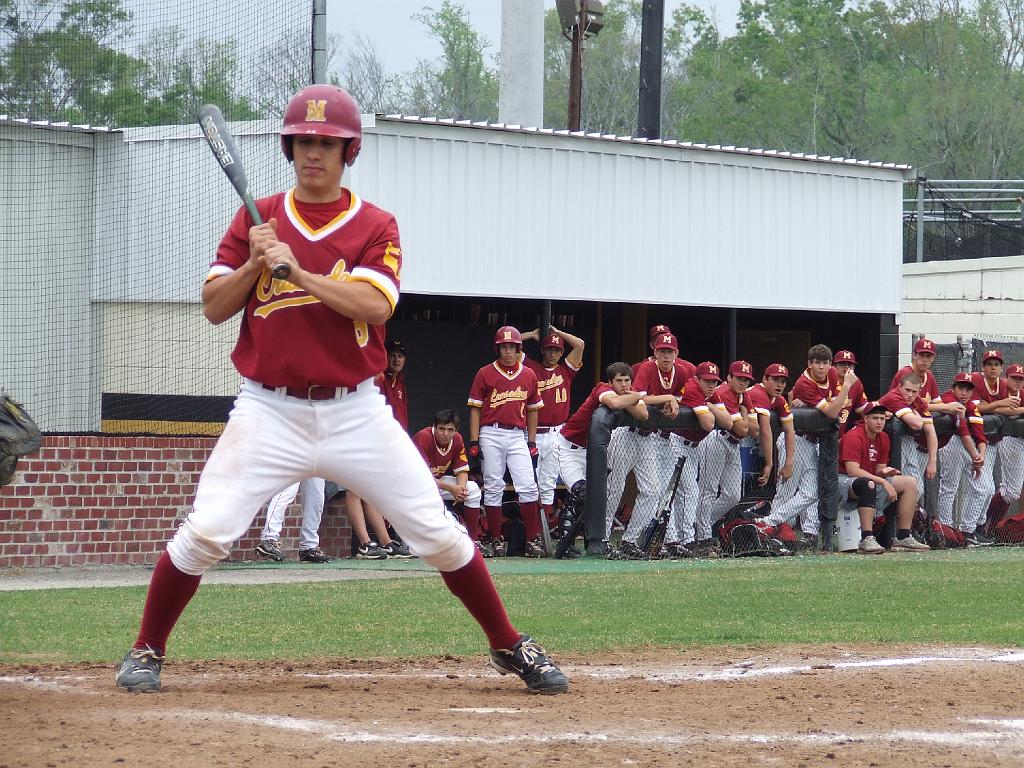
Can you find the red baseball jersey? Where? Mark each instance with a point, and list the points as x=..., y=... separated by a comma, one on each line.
x=984, y=393
x=393, y=389
x=289, y=338
x=450, y=461
x=652, y=381
x=813, y=394
x=553, y=384
x=688, y=368
x=694, y=399
x=724, y=397
x=504, y=396
x=577, y=428
x=760, y=402
x=970, y=424
x=637, y=367
x=856, y=402
x=855, y=445
x=929, y=388
x=899, y=407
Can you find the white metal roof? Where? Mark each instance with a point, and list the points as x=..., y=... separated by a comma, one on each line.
x=56, y=126
x=657, y=142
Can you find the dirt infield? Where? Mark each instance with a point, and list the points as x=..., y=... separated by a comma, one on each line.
x=826, y=705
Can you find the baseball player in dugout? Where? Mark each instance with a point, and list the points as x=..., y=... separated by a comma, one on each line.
x=819, y=386
x=308, y=350
x=866, y=478
x=392, y=382
x=961, y=460
x=442, y=448
x=918, y=451
x=762, y=399
x=921, y=364
x=856, y=401
x=503, y=403
x=554, y=379
x=1011, y=458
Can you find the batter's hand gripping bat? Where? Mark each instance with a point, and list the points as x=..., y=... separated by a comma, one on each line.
x=217, y=135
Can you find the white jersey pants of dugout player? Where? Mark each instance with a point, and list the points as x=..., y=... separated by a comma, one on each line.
x=798, y=496
x=653, y=469
x=623, y=454
x=955, y=468
x=506, y=447
x=913, y=462
x=1011, y=469
x=272, y=440
x=312, y=512
x=720, y=479
x=975, y=507
x=547, y=463
x=683, y=520
x=472, y=492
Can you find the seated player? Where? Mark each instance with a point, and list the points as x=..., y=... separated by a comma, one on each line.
x=442, y=448
x=866, y=479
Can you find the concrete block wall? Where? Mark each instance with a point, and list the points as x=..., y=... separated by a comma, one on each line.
x=93, y=500
x=970, y=297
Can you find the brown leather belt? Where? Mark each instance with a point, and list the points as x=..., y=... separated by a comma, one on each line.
x=505, y=426
x=730, y=437
x=312, y=392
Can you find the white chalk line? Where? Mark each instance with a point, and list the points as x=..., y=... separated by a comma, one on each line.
x=1010, y=734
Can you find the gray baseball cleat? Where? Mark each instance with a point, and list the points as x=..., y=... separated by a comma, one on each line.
x=530, y=662
x=139, y=671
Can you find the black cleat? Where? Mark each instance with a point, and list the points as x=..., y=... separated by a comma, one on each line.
x=269, y=548
x=313, y=555
x=139, y=671
x=530, y=662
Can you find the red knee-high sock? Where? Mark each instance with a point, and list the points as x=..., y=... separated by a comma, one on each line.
x=169, y=593
x=493, y=521
x=471, y=515
x=473, y=586
x=531, y=519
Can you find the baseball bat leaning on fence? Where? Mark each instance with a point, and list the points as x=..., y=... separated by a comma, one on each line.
x=653, y=535
x=217, y=135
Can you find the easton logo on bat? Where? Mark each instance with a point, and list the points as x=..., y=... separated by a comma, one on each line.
x=220, y=149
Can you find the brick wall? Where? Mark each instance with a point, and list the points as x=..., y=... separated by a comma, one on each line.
x=91, y=500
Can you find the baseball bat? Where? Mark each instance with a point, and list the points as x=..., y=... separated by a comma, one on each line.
x=217, y=135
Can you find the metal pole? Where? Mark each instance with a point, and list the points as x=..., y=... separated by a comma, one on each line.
x=319, y=39
x=648, y=118
x=920, y=218
x=732, y=338
x=576, y=70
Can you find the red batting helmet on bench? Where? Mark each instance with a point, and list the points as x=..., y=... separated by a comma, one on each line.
x=323, y=110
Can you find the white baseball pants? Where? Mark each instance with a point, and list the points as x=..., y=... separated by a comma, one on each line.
x=472, y=492
x=720, y=480
x=983, y=488
x=798, y=496
x=312, y=512
x=955, y=469
x=547, y=464
x=1011, y=468
x=653, y=470
x=623, y=451
x=913, y=462
x=682, y=523
x=572, y=462
x=272, y=441
x=506, y=447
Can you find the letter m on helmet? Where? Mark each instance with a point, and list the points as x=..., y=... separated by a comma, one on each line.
x=316, y=110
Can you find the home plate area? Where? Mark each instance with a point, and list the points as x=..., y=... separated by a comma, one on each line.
x=787, y=706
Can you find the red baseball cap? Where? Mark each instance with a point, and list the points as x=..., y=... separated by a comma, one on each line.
x=666, y=341
x=965, y=378
x=776, y=370
x=656, y=329
x=1016, y=370
x=553, y=340
x=924, y=345
x=845, y=356
x=708, y=372
x=874, y=407
x=991, y=354
x=742, y=369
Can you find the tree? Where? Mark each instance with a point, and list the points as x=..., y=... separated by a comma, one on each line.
x=460, y=85
x=363, y=75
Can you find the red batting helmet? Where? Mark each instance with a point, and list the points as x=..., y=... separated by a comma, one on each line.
x=508, y=334
x=323, y=110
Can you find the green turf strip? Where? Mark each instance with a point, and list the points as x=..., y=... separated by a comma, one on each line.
x=960, y=597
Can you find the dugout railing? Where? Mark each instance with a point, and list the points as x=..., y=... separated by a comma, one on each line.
x=604, y=452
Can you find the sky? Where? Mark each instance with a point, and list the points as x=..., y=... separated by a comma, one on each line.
x=402, y=42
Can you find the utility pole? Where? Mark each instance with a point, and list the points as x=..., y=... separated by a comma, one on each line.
x=652, y=32
x=581, y=19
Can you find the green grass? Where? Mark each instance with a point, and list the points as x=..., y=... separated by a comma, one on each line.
x=962, y=597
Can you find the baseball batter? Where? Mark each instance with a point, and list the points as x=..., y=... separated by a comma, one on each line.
x=503, y=403
x=554, y=380
x=308, y=350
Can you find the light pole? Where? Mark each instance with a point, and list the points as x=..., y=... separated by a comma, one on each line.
x=581, y=19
